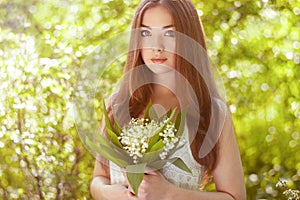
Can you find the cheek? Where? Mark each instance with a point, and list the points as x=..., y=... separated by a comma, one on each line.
x=170, y=45
x=172, y=58
x=146, y=54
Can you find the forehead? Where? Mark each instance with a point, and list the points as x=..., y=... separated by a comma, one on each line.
x=158, y=16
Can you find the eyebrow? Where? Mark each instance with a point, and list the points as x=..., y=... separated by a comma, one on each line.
x=164, y=27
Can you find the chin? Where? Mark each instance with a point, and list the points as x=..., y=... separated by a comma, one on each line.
x=159, y=69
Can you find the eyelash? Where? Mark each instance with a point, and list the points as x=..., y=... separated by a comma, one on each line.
x=146, y=33
x=171, y=32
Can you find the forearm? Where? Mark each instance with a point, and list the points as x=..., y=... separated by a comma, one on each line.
x=179, y=193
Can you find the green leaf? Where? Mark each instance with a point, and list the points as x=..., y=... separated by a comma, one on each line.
x=106, y=118
x=180, y=122
x=171, y=116
x=172, y=151
x=178, y=162
x=159, y=164
x=169, y=112
x=113, y=138
x=103, y=142
x=154, y=139
x=181, y=165
x=135, y=175
x=157, y=146
x=117, y=127
x=151, y=156
x=108, y=153
x=153, y=114
x=146, y=115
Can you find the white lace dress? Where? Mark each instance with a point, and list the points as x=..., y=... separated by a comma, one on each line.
x=173, y=174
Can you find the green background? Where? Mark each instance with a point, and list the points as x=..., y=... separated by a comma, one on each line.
x=254, y=45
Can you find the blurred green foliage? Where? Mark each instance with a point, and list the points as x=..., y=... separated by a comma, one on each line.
x=254, y=46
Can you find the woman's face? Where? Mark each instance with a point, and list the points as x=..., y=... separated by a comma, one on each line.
x=158, y=39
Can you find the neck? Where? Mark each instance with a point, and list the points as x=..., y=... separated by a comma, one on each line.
x=164, y=84
x=164, y=91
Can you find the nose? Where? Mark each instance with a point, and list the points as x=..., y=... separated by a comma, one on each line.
x=158, y=45
x=158, y=49
x=157, y=52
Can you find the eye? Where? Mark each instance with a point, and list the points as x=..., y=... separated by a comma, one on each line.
x=170, y=33
x=145, y=33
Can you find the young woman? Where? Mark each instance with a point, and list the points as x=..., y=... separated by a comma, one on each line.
x=167, y=64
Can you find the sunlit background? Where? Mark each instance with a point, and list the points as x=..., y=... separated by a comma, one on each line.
x=253, y=45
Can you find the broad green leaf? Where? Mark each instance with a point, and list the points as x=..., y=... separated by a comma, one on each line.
x=169, y=112
x=154, y=139
x=135, y=175
x=178, y=162
x=181, y=165
x=159, y=164
x=117, y=127
x=172, y=151
x=108, y=153
x=124, y=154
x=106, y=118
x=153, y=114
x=103, y=142
x=113, y=138
x=171, y=116
x=151, y=156
x=180, y=122
x=146, y=115
x=157, y=146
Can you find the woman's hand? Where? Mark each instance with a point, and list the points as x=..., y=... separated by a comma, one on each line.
x=117, y=192
x=101, y=190
x=154, y=186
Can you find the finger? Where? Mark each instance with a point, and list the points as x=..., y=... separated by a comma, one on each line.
x=123, y=171
x=130, y=189
x=131, y=195
x=125, y=185
x=151, y=173
x=149, y=169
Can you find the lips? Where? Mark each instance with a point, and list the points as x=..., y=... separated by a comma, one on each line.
x=159, y=60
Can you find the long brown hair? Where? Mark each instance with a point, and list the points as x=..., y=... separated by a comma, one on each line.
x=187, y=22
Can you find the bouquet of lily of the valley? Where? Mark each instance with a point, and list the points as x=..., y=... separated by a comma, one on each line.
x=144, y=142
